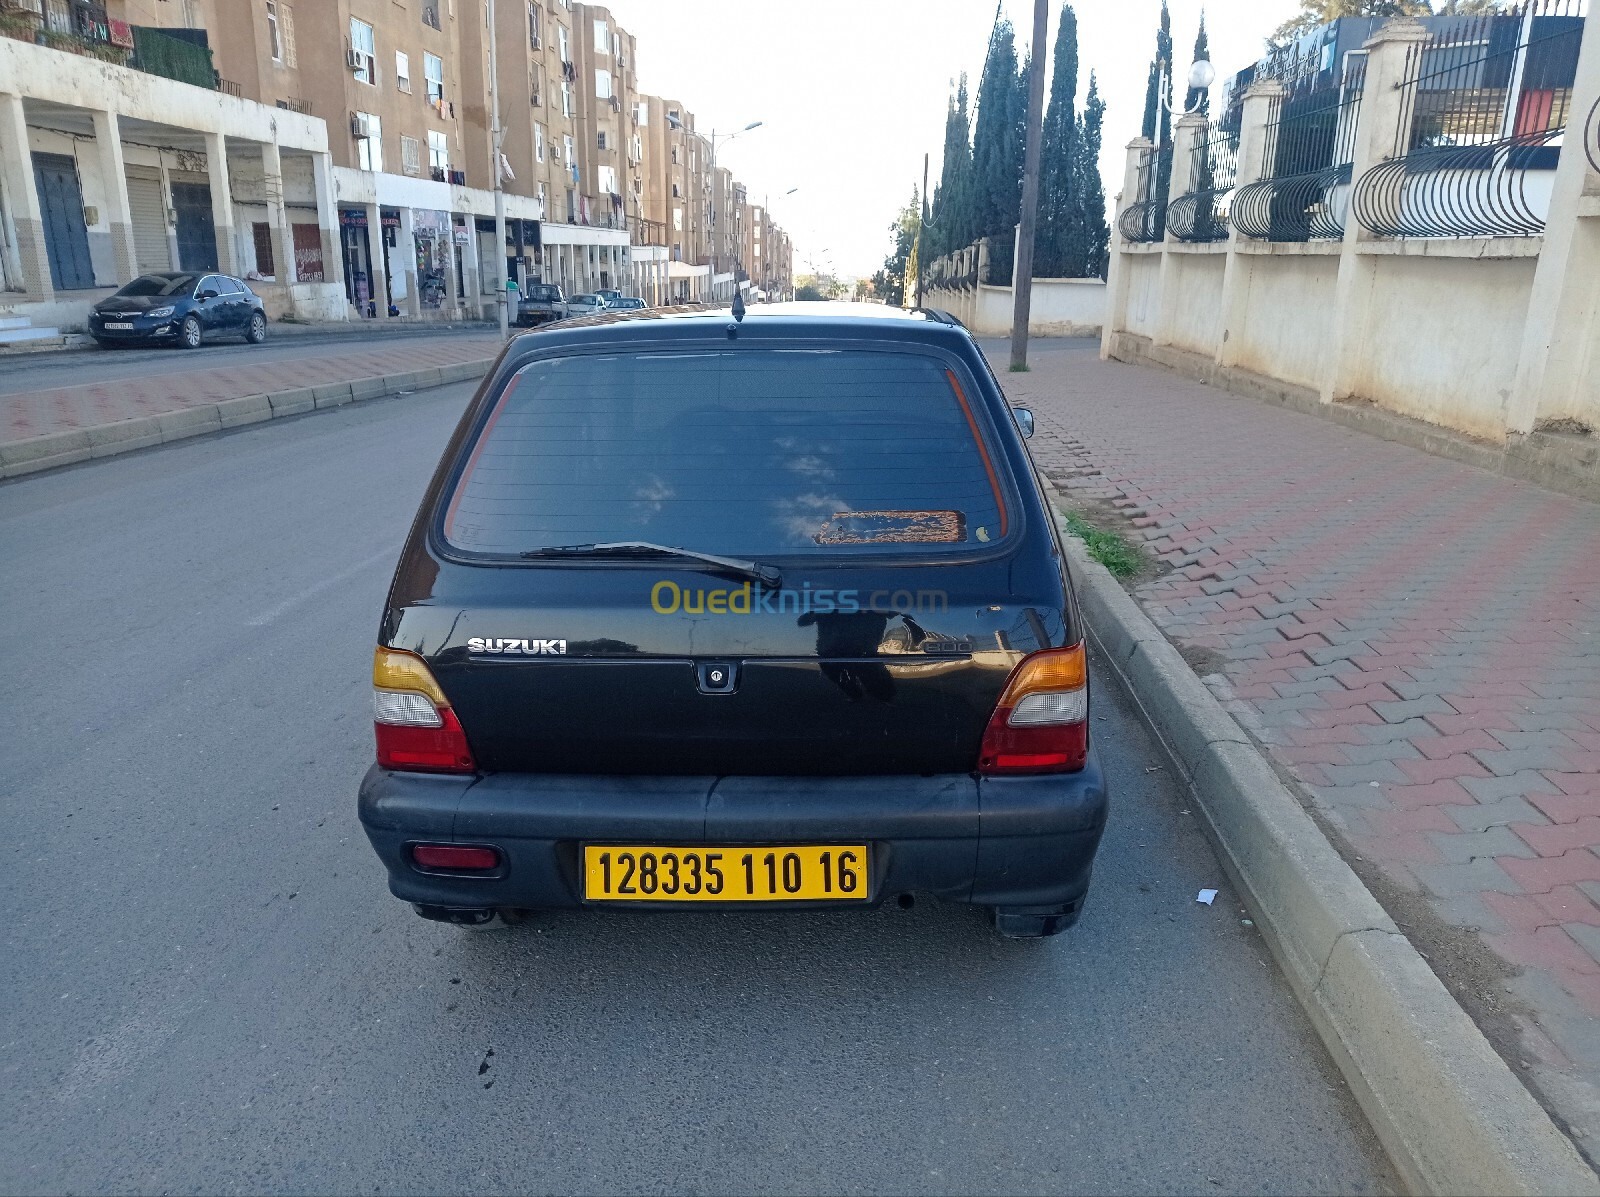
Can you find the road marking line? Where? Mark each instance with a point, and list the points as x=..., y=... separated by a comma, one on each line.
x=325, y=585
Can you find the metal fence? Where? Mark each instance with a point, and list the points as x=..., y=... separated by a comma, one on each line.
x=1591, y=136
x=1308, y=155
x=1145, y=220
x=1484, y=112
x=1202, y=213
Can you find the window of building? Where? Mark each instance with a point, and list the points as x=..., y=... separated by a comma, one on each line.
x=534, y=39
x=433, y=71
x=637, y=154
x=538, y=143
x=572, y=206
x=438, y=151
x=363, y=52
x=601, y=137
x=402, y=70
x=677, y=220
x=274, y=37
x=564, y=43
x=616, y=46
x=677, y=192
x=674, y=155
x=369, y=147
x=602, y=84
x=430, y=14
x=608, y=180
x=566, y=99
x=566, y=150
x=602, y=37
x=410, y=155
x=642, y=115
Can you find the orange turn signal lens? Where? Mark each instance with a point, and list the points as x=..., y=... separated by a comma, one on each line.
x=395, y=669
x=1054, y=669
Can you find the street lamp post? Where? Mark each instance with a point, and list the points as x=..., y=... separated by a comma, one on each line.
x=497, y=136
x=711, y=141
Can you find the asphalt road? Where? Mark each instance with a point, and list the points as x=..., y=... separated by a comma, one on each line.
x=21, y=373
x=207, y=987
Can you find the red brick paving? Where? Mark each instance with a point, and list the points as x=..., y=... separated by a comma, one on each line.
x=1416, y=640
x=191, y=383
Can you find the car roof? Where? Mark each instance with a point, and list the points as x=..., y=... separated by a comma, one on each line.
x=816, y=318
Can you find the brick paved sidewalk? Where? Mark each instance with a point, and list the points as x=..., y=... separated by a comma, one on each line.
x=1415, y=640
x=190, y=384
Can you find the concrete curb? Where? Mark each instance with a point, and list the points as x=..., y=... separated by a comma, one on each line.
x=1452, y=1116
x=38, y=453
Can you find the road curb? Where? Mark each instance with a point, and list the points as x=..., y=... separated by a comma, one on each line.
x=1452, y=1116
x=38, y=453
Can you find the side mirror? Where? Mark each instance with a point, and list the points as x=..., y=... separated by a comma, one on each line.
x=1024, y=419
x=208, y=293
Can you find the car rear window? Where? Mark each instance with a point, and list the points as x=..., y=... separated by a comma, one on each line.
x=751, y=452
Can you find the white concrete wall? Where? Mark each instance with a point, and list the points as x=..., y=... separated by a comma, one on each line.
x=1144, y=292
x=1442, y=338
x=1060, y=307
x=1287, y=316
x=1196, y=280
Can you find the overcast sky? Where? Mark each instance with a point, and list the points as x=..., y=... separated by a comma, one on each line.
x=851, y=93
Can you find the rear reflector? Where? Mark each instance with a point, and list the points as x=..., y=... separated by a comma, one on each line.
x=1040, y=724
x=416, y=729
x=454, y=856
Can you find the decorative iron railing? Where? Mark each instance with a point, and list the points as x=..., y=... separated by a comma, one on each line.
x=1202, y=214
x=1591, y=136
x=1483, y=116
x=1145, y=219
x=1307, y=154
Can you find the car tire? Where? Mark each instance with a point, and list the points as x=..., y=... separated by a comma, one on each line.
x=189, y=334
x=258, y=329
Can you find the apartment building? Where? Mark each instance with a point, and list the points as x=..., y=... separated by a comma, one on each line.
x=339, y=154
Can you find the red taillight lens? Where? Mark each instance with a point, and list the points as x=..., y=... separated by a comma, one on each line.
x=416, y=729
x=454, y=856
x=1041, y=723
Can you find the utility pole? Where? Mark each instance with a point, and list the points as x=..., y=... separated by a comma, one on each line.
x=495, y=137
x=1022, y=270
x=922, y=220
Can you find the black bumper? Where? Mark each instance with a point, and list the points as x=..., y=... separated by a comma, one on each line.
x=1012, y=842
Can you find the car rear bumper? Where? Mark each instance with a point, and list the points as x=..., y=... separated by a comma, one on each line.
x=1012, y=842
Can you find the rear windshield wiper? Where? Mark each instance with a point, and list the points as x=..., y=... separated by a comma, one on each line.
x=753, y=570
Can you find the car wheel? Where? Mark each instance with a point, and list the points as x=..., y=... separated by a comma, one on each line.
x=258, y=329
x=189, y=333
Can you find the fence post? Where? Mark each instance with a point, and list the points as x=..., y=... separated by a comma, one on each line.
x=1558, y=374
x=1378, y=136
x=1116, y=318
x=1186, y=134
x=1261, y=106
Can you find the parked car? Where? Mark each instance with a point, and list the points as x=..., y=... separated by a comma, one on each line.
x=585, y=305
x=540, y=304
x=611, y=298
x=627, y=303
x=179, y=308
x=794, y=629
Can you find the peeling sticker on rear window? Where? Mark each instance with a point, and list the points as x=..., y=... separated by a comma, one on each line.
x=894, y=527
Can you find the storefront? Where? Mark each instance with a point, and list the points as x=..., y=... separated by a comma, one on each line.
x=355, y=245
x=432, y=234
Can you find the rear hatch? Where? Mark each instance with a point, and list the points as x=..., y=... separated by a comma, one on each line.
x=872, y=480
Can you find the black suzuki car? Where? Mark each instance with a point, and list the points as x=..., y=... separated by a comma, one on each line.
x=179, y=308
x=765, y=612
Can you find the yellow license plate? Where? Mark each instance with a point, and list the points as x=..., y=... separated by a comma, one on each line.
x=801, y=873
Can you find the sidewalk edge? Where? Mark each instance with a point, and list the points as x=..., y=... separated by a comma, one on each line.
x=55, y=449
x=1452, y=1116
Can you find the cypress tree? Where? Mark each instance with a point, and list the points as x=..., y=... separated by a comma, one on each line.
x=948, y=221
x=1158, y=111
x=1091, y=189
x=1061, y=251
x=996, y=193
x=1198, y=99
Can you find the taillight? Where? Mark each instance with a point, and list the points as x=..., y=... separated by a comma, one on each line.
x=1041, y=724
x=455, y=856
x=417, y=731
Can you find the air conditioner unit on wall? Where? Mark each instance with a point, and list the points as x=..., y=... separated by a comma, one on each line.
x=355, y=60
